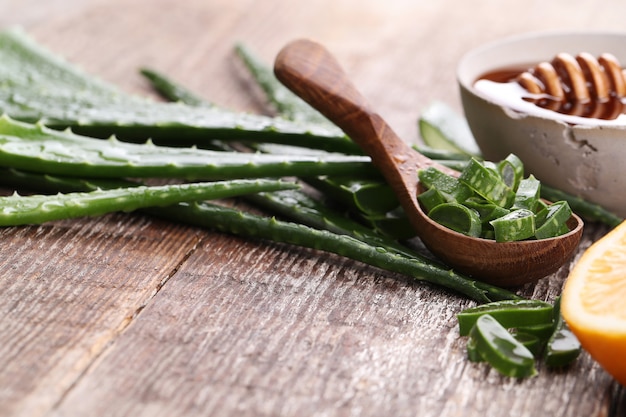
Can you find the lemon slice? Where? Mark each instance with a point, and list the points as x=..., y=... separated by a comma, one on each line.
x=593, y=302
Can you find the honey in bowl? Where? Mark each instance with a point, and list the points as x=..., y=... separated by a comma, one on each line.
x=577, y=87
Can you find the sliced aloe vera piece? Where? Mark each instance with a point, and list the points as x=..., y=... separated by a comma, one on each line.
x=487, y=183
x=517, y=225
x=442, y=128
x=473, y=353
x=510, y=313
x=541, y=331
x=551, y=220
x=457, y=217
x=450, y=187
x=528, y=194
x=530, y=342
x=563, y=347
x=511, y=169
x=371, y=197
x=501, y=350
x=487, y=211
x=430, y=199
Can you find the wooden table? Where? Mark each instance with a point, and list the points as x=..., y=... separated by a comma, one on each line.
x=128, y=315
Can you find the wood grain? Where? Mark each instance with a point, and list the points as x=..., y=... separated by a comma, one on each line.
x=129, y=315
x=293, y=332
x=68, y=291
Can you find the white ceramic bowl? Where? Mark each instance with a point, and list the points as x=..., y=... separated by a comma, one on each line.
x=581, y=156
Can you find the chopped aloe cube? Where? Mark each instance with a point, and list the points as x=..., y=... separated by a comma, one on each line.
x=517, y=225
x=511, y=170
x=528, y=194
x=487, y=183
x=430, y=199
x=458, y=218
x=486, y=210
x=551, y=220
x=541, y=205
x=501, y=350
x=446, y=184
x=563, y=229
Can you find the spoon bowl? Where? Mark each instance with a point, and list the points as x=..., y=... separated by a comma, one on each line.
x=312, y=73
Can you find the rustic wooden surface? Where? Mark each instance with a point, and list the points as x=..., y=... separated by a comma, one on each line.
x=128, y=315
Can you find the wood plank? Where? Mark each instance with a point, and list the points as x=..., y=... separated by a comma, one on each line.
x=92, y=324
x=283, y=331
x=68, y=290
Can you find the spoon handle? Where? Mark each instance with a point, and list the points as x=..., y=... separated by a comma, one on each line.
x=312, y=72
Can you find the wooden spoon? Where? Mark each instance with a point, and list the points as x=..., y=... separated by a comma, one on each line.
x=311, y=72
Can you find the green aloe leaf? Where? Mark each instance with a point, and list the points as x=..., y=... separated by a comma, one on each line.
x=37, y=85
x=36, y=148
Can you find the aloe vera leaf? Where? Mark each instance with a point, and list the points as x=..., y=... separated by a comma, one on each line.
x=288, y=105
x=393, y=224
x=301, y=208
x=368, y=197
x=39, y=86
x=240, y=223
x=442, y=154
x=354, y=193
x=50, y=184
x=298, y=207
x=176, y=92
x=16, y=210
x=585, y=209
x=171, y=90
x=39, y=149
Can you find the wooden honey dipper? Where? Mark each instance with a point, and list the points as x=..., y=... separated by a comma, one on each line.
x=579, y=86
